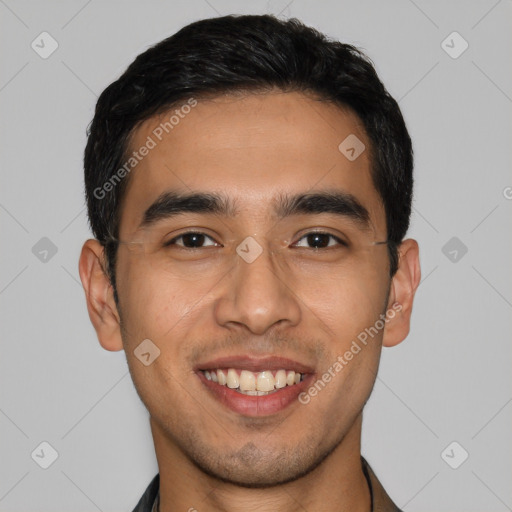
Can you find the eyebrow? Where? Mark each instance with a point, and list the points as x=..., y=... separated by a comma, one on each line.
x=171, y=204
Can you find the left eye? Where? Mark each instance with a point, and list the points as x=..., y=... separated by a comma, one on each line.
x=318, y=240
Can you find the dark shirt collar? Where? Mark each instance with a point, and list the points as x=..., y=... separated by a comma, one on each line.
x=381, y=502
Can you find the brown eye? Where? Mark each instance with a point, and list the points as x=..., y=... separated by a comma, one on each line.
x=192, y=240
x=319, y=240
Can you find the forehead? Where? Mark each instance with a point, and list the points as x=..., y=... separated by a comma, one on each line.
x=252, y=148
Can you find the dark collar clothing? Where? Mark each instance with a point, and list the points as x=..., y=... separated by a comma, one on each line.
x=381, y=502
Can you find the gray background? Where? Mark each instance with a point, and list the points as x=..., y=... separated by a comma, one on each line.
x=449, y=381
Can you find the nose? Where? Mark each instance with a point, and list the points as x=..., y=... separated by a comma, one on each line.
x=258, y=297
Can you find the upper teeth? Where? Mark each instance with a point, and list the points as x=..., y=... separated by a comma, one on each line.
x=253, y=383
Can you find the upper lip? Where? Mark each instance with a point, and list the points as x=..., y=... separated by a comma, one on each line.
x=255, y=364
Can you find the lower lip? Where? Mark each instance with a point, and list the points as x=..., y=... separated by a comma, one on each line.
x=254, y=406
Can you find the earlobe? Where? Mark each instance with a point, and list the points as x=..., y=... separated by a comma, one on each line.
x=401, y=297
x=99, y=296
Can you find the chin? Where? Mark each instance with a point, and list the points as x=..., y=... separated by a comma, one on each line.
x=251, y=467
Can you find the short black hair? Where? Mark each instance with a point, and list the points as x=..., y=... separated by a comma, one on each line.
x=249, y=53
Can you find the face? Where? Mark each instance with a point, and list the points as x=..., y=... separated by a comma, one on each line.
x=273, y=266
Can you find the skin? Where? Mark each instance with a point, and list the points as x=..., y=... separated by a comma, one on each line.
x=308, y=307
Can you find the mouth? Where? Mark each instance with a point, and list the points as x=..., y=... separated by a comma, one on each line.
x=255, y=387
x=250, y=383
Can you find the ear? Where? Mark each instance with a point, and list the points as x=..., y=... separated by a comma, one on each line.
x=401, y=296
x=100, y=296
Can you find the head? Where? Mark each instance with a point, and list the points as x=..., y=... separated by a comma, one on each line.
x=243, y=120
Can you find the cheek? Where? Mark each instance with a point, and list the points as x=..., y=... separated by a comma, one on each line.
x=161, y=308
x=154, y=303
x=169, y=308
x=348, y=303
x=349, y=307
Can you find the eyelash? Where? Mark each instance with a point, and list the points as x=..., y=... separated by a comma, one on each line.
x=172, y=241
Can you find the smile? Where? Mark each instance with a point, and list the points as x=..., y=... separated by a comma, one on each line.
x=251, y=383
x=253, y=386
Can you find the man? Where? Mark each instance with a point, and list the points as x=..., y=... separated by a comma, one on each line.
x=249, y=185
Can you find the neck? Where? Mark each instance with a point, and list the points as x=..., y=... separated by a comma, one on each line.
x=337, y=484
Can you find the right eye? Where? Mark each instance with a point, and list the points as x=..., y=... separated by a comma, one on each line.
x=191, y=240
